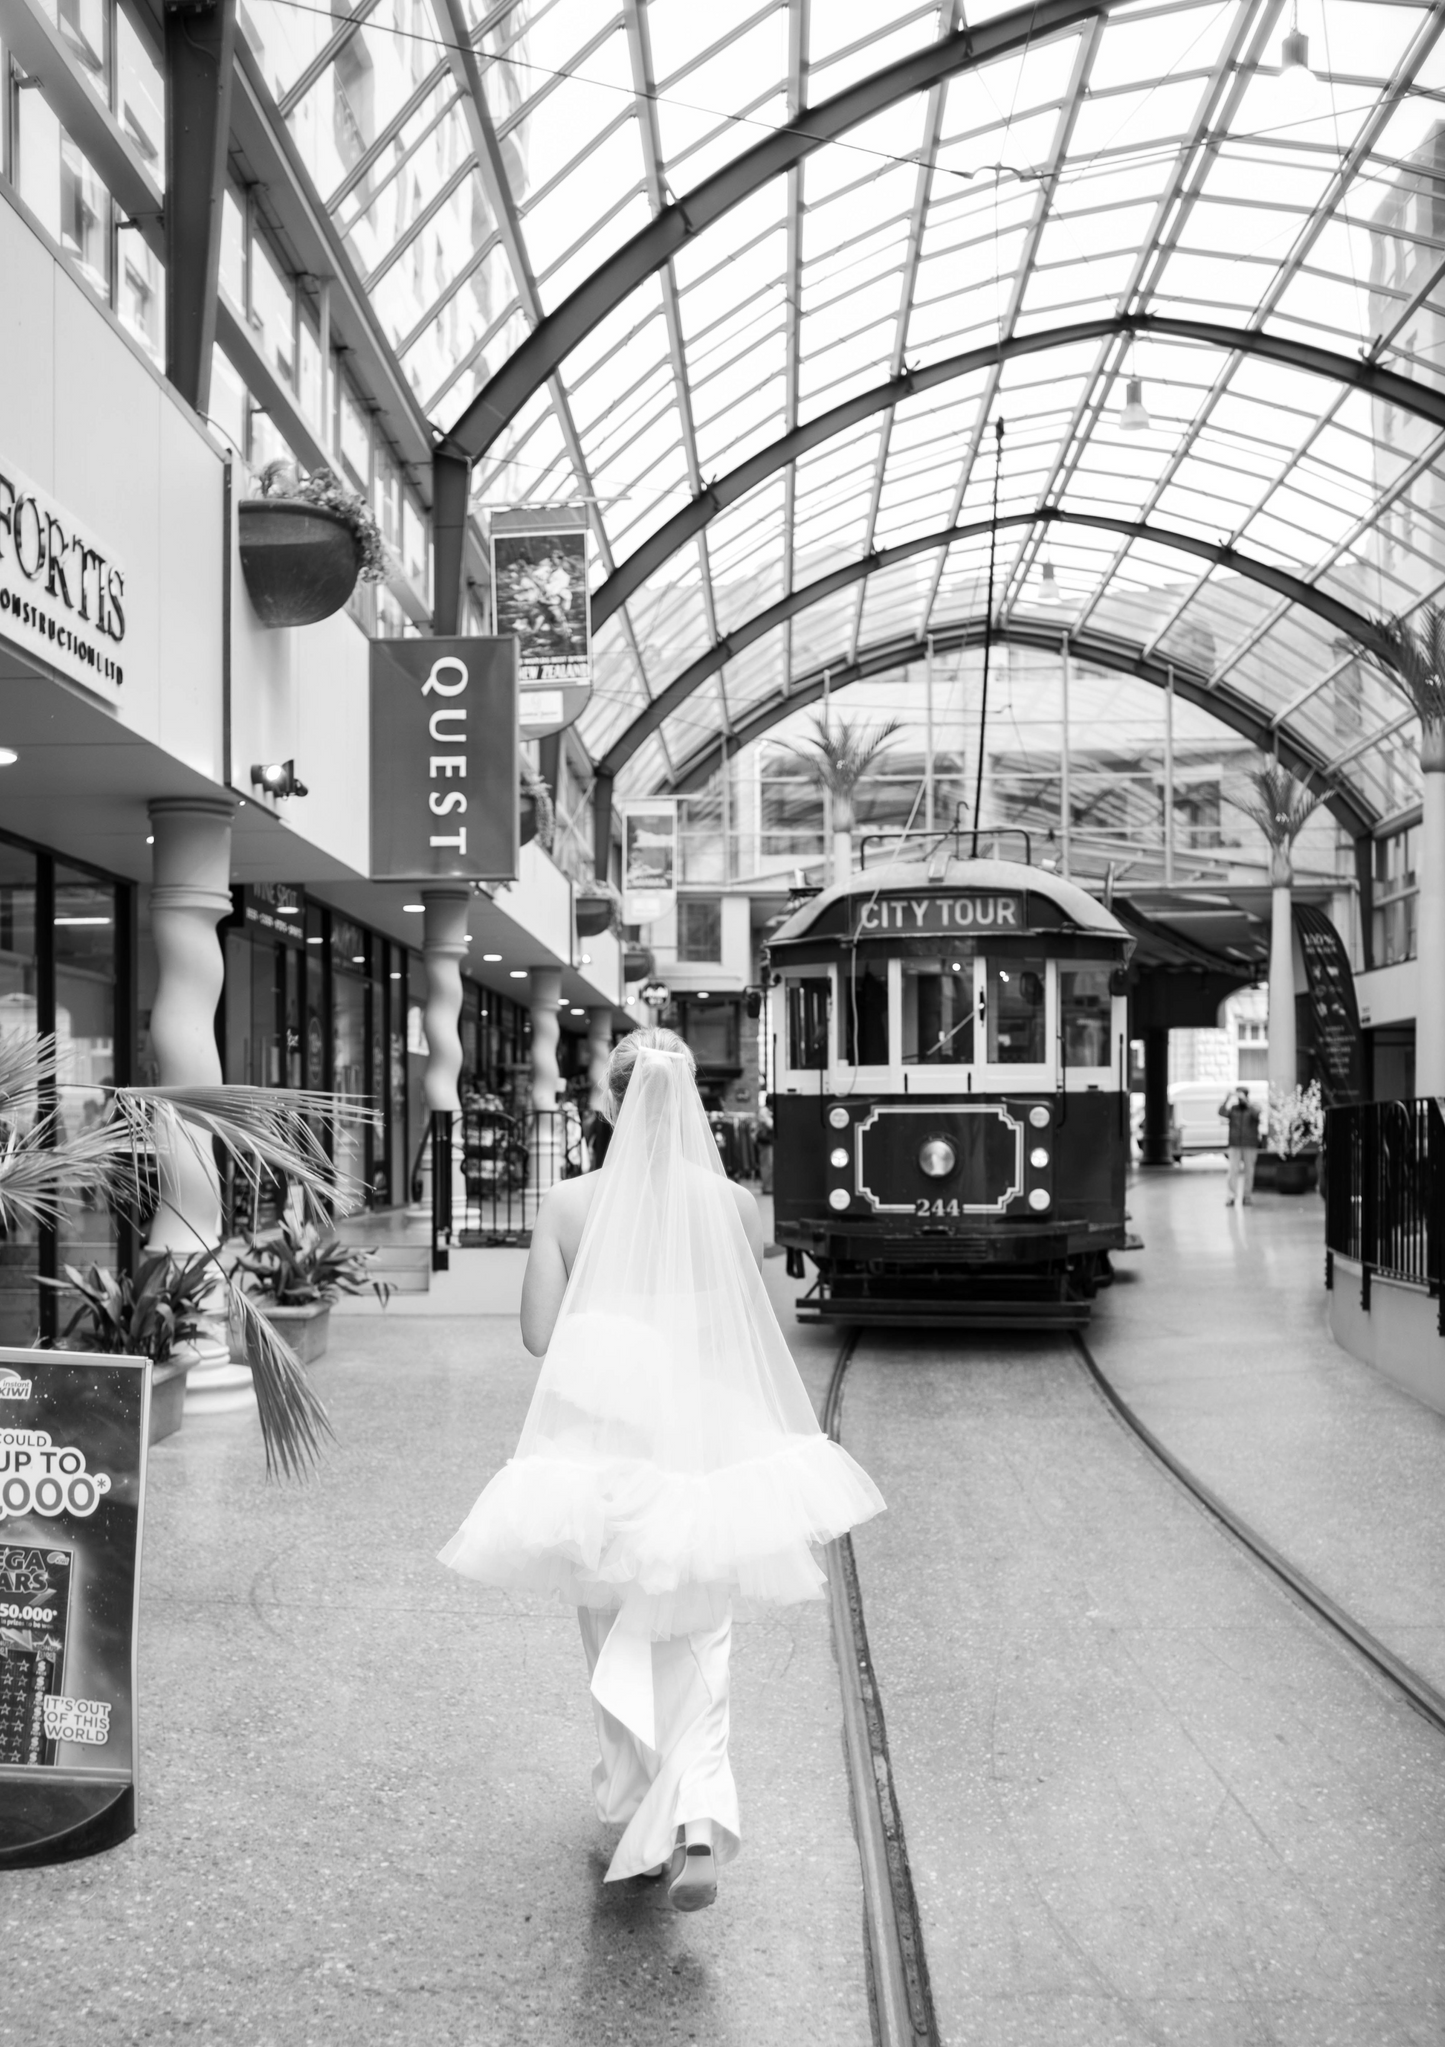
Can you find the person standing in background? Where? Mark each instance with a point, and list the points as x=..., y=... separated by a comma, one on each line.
x=1242, y=1118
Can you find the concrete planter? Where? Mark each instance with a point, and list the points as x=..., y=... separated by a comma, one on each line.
x=1294, y=1175
x=300, y=561
x=307, y=1329
x=168, y=1398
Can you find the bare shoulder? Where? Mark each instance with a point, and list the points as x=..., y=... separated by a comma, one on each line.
x=751, y=1218
x=563, y=1211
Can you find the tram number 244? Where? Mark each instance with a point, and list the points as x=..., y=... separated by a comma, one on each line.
x=923, y=1206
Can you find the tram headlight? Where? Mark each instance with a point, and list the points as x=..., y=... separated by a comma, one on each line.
x=839, y=1198
x=937, y=1157
x=1038, y=1157
x=1039, y=1116
x=838, y=1117
x=1039, y=1198
x=838, y=1156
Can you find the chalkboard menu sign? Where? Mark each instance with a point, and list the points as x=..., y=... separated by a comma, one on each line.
x=73, y=1431
x=1339, y=1047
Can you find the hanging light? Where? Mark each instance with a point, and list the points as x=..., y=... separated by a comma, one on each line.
x=1298, y=90
x=1134, y=419
x=1049, y=592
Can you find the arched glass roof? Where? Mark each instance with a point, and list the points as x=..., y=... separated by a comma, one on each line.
x=758, y=281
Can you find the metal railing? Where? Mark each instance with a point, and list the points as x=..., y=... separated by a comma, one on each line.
x=1385, y=1193
x=490, y=1171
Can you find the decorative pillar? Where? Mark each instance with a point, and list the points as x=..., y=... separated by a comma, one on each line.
x=599, y=1052
x=548, y=1145
x=1283, y=1070
x=1430, y=912
x=1155, y=1148
x=190, y=892
x=444, y=944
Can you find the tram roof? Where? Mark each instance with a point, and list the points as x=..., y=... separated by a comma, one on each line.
x=1083, y=911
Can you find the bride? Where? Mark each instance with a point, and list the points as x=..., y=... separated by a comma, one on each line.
x=670, y=1461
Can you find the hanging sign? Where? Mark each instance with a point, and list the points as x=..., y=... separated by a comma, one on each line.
x=73, y=1430
x=539, y=594
x=445, y=796
x=62, y=595
x=649, y=859
x=1339, y=1043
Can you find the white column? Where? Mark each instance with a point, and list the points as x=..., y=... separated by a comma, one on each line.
x=444, y=944
x=190, y=892
x=1169, y=784
x=599, y=1051
x=1066, y=798
x=1281, y=979
x=1430, y=927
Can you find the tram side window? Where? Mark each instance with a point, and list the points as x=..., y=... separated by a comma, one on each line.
x=808, y=1023
x=938, y=1012
x=863, y=992
x=1084, y=997
x=1016, y=1012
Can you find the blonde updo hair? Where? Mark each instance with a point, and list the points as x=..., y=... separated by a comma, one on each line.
x=624, y=1057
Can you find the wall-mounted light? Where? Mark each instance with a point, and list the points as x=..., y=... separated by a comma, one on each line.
x=277, y=778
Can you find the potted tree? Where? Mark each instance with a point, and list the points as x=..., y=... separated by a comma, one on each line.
x=305, y=541
x=1296, y=1127
x=297, y=1276
x=838, y=760
x=146, y=1317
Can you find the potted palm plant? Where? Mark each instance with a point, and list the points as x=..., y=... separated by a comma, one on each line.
x=149, y=1316
x=298, y=1274
x=838, y=758
x=305, y=542
x=267, y=1135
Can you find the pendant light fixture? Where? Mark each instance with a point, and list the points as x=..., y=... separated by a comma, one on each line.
x=1134, y=419
x=1049, y=592
x=1298, y=95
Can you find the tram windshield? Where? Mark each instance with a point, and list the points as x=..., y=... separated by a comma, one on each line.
x=938, y=1012
x=1015, y=1011
x=1084, y=996
x=863, y=993
x=808, y=1023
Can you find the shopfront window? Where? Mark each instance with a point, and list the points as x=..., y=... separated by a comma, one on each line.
x=350, y=959
x=1084, y=999
x=85, y=988
x=938, y=1012
x=1015, y=1011
x=19, y=1024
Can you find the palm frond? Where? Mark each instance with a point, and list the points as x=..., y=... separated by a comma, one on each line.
x=266, y=1135
x=1414, y=658
x=1280, y=805
x=841, y=754
x=294, y=1423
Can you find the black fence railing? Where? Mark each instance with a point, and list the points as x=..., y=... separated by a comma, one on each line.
x=1385, y=1193
x=489, y=1172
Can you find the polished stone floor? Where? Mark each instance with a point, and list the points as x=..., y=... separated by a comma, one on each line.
x=1147, y=1798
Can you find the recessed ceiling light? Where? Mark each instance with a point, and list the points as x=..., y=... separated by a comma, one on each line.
x=702, y=994
x=586, y=960
x=414, y=909
x=358, y=959
x=8, y=756
x=519, y=974
x=396, y=977
x=494, y=957
x=151, y=839
x=313, y=941
x=579, y=1012
x=82, y=920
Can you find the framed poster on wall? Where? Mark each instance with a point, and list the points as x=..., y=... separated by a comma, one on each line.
x=540, y=598
x=649, y=858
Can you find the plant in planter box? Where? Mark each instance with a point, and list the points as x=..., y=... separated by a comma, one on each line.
x=305, y=541
x=147, y=1317
x=1296, y=1130
x=297, y=1275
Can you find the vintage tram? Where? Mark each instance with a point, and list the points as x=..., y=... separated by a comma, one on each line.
x=951, y=1111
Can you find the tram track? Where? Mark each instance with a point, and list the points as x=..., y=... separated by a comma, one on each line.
x=903, y=2008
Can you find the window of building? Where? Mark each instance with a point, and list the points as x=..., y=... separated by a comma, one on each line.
x=699, y=930
x=1396, y=896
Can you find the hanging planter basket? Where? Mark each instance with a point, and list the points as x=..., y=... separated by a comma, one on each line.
x=594, y=915
x=300, y=561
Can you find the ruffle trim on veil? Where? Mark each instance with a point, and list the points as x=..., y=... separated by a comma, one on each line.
x=624, y=1531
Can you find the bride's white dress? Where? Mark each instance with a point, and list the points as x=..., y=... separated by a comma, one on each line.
x=670, y=1461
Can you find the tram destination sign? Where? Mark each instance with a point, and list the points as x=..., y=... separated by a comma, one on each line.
x=445, y=799
x=73, y=1430
x=961, y=913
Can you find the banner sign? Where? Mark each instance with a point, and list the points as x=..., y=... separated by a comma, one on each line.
x=539, y=595
x=649, y=859
x=62, y=595
x=445, y=792
x=73, y=1430
x=1339, y=1043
